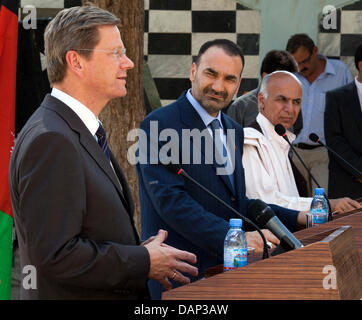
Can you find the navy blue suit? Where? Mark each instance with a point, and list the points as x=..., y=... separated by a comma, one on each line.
x=195, y=221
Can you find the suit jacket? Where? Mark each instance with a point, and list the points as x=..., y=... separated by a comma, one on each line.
x=73, y=213
x=343, y=132
x=195, y=221
x=244, y=109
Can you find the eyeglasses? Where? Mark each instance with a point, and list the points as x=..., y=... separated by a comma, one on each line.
x=118, y=53
x=305, y=60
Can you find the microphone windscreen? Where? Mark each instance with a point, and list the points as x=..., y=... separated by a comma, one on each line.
x=279, y=129
x=313, y=137
x=260, y=212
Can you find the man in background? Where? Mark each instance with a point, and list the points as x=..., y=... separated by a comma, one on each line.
x=318, y=75
x=268, y=171
x=245, y=108
x=343, y=131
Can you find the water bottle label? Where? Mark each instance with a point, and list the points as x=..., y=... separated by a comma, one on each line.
x=319, y=216
x=235, y=258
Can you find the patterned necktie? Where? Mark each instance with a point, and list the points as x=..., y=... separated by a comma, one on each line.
x=218, y=144
x=102, y=141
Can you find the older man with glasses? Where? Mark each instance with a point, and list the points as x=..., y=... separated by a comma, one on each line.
x=318, y=75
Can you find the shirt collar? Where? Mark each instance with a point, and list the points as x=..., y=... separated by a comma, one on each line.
x=269, y=132
x=205, y=116
x=329, y=68
x=87, y=116
x=358, y=84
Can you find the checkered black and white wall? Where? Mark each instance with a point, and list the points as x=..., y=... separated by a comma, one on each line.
x=175, y=30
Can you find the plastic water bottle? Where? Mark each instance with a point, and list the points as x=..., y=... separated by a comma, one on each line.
x=319, y=208
x=235, y=246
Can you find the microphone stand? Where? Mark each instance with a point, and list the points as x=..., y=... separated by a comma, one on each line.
x=187, y=176
x=330, y=218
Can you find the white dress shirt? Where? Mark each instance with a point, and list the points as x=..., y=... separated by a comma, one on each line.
x=88, y=117
x=359, y=91
x=268, y=172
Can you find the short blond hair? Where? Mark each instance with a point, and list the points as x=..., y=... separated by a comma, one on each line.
x=73, y=28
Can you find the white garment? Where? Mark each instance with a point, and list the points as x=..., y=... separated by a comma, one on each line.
x=268, y=172
x=88, y=117
x=359, y=90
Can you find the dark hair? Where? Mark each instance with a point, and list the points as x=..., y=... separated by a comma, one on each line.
x=300, y=40
x=278, y=60
x=358, y=56
x=228, y=46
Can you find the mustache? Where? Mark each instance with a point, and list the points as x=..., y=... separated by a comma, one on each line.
x=222, y=94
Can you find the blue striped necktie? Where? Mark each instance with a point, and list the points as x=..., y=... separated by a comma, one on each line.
x=215, y=125
x=102, y=141
x=218, y=143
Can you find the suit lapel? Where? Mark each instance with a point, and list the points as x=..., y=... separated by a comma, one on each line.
x=192, y=120
x=126, y=196
x=86, y=139
x=355, y=106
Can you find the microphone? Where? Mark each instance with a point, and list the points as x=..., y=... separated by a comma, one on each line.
x=356, y=173
x=280, y=130
x=176, y=168
x=265, y=217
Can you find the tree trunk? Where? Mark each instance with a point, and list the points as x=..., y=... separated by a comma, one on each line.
x=125, y=114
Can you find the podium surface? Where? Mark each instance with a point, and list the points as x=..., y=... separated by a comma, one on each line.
x=327, y=267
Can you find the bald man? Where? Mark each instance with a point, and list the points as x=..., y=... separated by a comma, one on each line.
x=268, y=171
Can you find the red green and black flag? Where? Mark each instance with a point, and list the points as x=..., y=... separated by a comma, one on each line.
x=8, y=51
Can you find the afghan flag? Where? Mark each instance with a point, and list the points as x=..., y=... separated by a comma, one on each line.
x=8, y=49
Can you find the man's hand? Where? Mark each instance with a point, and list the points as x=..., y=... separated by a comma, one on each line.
x=344, y=204
x=254, y=239
x=167, y=262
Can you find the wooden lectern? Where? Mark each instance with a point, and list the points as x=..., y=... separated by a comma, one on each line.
x=327, y=267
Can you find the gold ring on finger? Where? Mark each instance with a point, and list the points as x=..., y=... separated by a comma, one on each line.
x=173, y=275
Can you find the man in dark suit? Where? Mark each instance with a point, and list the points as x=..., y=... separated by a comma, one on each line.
x=197, y=222
x=72, y=206
x=343, y=131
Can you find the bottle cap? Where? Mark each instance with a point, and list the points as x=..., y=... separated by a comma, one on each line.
x=319, y=191
x=236, y=223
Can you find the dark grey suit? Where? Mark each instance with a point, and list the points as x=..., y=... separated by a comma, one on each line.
x=245, y=108
x=73, y=219
x=343, y=132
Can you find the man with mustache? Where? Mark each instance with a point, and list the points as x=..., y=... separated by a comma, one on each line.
x=318, y=75
x=196, y=222
x=268, y=171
